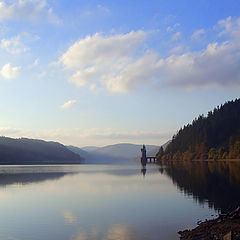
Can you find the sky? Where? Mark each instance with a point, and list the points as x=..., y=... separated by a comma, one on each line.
x=105, y=72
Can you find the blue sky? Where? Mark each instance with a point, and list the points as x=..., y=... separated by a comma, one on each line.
x=104, y=72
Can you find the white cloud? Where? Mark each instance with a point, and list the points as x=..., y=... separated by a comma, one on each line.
x=176, y=49
x=13, y=45
x=171, y=28
x=216, y=66
x=120, y=63
x=227, y=25
x=36, y=62
x=68, y=104
x=230, y=27
x=27, y=10
x=94, y=56
x=81, y=78
x=92, y=87
x=17, y=44
x=176, y=36
x=98, y=49
x=197, y=34
x=6, y=131
x=9, y=72
x=134, y=74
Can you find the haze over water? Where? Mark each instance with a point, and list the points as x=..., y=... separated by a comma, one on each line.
x=82, y=202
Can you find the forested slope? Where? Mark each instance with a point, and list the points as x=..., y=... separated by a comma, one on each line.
x=32, y=151
x=216, y=136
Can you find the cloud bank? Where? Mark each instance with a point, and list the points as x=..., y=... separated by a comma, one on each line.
x=120, y=63
x=97, y=59
x=13, y=45
x=91, y=136
x=27, y=10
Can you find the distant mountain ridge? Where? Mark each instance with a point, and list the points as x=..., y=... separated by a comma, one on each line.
x=90, y=148
x=84, y=154
x=125, y=150
x=33, y=151
x=113, y=154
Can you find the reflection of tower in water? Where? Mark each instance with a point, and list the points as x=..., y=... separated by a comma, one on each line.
x=143, y=171
x=143, y=160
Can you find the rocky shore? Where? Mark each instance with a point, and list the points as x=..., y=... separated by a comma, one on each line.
x=225, y=227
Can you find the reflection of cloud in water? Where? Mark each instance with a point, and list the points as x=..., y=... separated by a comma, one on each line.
x=120, y=232
x=70, y=217
x=108, y=184
x=95, y=234
x=85, y=185
x=115, y=232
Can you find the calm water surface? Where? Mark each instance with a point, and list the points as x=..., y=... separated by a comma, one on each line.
x=96, y=202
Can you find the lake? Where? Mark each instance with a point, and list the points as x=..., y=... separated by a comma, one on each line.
x=96, y=202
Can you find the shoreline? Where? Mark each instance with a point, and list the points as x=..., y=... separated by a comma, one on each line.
x=205, y=160
x=225, y=226
x=218, y=160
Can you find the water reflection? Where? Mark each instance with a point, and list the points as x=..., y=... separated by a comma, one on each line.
x=114, y=232
x=94, y=202
x=22, y=175
x=217, y=183
x=143, y=171
x=28, y=178
x=69, y=216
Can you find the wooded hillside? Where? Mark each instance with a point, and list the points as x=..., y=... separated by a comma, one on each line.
x=32, y=151
x=216, y=136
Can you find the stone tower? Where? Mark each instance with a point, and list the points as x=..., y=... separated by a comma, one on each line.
x=144, y=156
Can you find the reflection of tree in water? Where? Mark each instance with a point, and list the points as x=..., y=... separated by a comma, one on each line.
x=217, y=183
x=27, y=178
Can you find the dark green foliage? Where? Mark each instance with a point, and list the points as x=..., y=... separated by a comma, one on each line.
x=216, y=136
x=31, y=151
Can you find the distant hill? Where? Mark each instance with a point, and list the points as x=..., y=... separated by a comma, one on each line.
x=216, y=136
x=90, y=148
x=32, y=151
x=79, y=151
x=95, y=158
x=154, y=151
x=112, y=154
x=125, y=150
